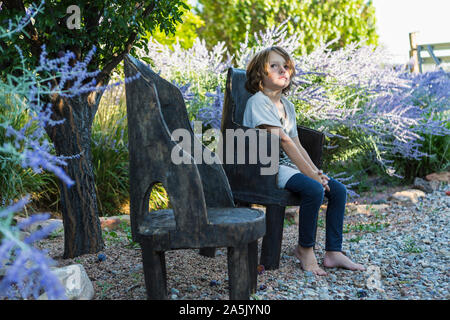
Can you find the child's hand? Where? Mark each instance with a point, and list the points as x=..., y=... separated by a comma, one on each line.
x=319, y=178
x=324, y=178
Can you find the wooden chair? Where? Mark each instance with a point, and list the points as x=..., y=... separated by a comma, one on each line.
x=203, y=213
x=247, y=185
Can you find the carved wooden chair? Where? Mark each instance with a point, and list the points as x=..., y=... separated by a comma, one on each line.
x=203, y=214
x=247, y=185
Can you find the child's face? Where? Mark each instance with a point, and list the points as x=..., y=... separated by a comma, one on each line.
x=278, y=73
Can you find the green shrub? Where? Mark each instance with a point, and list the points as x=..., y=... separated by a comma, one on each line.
x=110, y=152
x=15, y=181
x=438, y=147
x=110, y=157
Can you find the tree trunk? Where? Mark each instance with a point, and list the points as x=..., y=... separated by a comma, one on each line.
x=82, y=230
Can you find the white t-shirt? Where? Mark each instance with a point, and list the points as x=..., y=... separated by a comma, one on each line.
x=261, y=110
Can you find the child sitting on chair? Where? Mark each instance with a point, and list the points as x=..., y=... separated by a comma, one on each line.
x=269, y=76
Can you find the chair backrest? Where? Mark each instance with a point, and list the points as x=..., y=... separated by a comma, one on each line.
x=236, y=98
x=234, y=110
x=155, y=108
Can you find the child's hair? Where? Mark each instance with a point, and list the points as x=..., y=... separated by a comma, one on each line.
x=258, y=66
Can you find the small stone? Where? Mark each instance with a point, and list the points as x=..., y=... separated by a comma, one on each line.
x=214, y=283
x=423, y=185
x=333, y=278
x=324, y=296
x=441, y=176
x=110, y=223
x=101, y=257
x=174, y=297
x=262, y=287
x=260, y=269
x=281, y=285
x=192, y=287
x=310, y=293
x=407, y=196
x=174, y=291
x=291, y=214
x=75, y=281
x=361, y=293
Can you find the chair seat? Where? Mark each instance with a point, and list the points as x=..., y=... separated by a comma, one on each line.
x=281, y=197
x=227, y=227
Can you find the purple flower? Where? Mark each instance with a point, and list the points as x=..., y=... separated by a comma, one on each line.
x=212, y=115
x=387, y=107
x=27, y=268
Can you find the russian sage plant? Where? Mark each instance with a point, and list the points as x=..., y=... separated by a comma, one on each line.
x=25, y=269
x=201, y=72
x=365, y=107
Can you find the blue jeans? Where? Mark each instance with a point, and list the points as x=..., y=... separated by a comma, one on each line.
x=311, y=193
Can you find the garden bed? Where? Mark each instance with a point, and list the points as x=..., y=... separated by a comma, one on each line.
x=403, y=246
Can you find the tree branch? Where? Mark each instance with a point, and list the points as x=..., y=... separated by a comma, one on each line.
x=93, y=21
x=109, y=67
x=33, y=37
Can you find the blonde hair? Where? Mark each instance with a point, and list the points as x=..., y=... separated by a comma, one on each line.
x=258, y=67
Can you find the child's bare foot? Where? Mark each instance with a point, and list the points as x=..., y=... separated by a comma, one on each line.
x=336, y=259
x=308, y=260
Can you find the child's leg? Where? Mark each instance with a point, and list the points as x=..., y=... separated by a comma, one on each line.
x=337, y=198
x=311, y=193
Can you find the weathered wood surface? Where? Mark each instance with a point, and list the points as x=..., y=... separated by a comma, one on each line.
x=173, y=110
x=237, y=267
x=271, y=245
x=203, y=214
x=226, y=227
x=247, y=184
x=155, y=273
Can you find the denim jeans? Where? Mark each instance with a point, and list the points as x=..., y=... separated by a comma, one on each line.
x=311, y=193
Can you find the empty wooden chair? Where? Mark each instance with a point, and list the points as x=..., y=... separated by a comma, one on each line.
x=203, y=213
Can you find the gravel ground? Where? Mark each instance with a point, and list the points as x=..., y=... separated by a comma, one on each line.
x=405, y=249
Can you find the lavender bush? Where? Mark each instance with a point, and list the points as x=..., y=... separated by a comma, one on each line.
x=377, y=103
x=202, y=72
x=371, y=112
x=110, y=153
x=26, y=269
x=109, y=147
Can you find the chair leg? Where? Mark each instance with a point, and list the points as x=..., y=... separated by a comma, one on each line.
x=271, y=245
x=154, y=263
x=238, y=272
x=253, y=265
x=211, y=252
x=207, y=252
